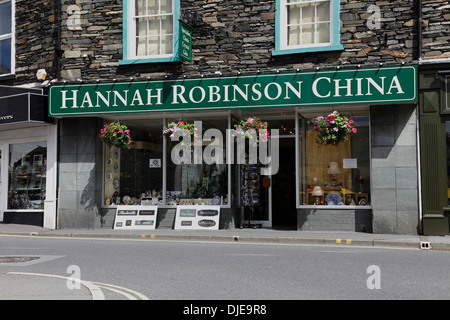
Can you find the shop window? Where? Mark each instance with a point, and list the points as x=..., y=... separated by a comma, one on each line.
x=203, y=183
x=307, y=26
x=332, y=175
x=134, y=176
x=150, y=31
x=6, y=37
x=27, y=175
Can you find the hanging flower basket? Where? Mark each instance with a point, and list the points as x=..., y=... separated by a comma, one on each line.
x=334, y=129
x=252, y=129
x=173, y=127
x=181, y=126
x=116, y=134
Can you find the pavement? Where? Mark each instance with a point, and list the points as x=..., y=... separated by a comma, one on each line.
x=25, y=286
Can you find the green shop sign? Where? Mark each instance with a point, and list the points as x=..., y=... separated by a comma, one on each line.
x=301, y=89
x=185, y=47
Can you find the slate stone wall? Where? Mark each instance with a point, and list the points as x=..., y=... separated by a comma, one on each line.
x=229, y=36
x=35, y=38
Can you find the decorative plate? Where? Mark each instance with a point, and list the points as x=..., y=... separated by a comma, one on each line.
x=109, y=176
x=215, y=201
x=116, y=168
x=362, y=202
x=116, y=184
x=333, y=198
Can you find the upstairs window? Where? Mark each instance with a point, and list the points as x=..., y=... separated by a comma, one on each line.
x=150, y=31
x=307, y=26
x=6, y=38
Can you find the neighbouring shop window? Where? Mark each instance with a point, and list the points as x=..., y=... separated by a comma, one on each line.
x=27, y=175
x=5, y=37
x=192, y=184
x=134, y=176
x=150, y=29
x=447, y=134
x=334, y=175
x=307, y=25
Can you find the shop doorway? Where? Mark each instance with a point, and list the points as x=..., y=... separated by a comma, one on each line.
x=284, y=212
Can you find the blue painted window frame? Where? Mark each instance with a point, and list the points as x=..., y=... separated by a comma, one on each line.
x=127, y=60
x=336, y=33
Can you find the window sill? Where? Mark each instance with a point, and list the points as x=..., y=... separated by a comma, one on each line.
x=8, y=76
x=334, y=207
x=279, y=52
x=149, y=60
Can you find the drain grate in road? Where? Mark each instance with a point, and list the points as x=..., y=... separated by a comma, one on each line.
x=17, y=259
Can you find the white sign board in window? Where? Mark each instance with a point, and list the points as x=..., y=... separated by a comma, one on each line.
x=350, y=163
x=197, y=217
x=135, y=217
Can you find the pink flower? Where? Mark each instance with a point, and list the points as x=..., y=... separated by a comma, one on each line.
x=354, y=130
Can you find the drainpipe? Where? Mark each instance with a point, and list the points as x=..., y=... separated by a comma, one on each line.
x=419, y=169
x=420, y=29
x=58, y=41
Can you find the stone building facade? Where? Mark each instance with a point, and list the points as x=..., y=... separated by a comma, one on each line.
x=233, y=38
x=229, y=36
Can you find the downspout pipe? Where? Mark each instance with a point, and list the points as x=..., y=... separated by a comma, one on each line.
x=419, y=33
x=58, y=41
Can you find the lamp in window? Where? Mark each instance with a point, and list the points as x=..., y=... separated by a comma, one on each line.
x=333, y=170
x=318, y=193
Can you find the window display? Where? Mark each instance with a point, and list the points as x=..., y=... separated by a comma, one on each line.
x=134, y=176
x=334, y=173
x=27, y=175
x=204, y=184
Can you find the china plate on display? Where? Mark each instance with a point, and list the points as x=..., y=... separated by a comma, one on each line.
x=215, y=201
x=333, y=198
x=116, y=184
x=362, y=202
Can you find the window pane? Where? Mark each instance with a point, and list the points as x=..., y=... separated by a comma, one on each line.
x=166, y=6
x=323, y=32
x=167, y=25
x=5, y=18
x=193, y=182
x=153, y=45
x=308, y=34
x=154, y=26
x=153, y=6
x=5, y=56
x=27, y=175
x=294, y=35
x=308, y=14
x=141, y=27
x=141, y=46
x=323, y=11
x=135, y=175
x=294, y=14
x=141, y=7
x=334, y=175
x=166, y=44
x=154, y=33
x=447, y=131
